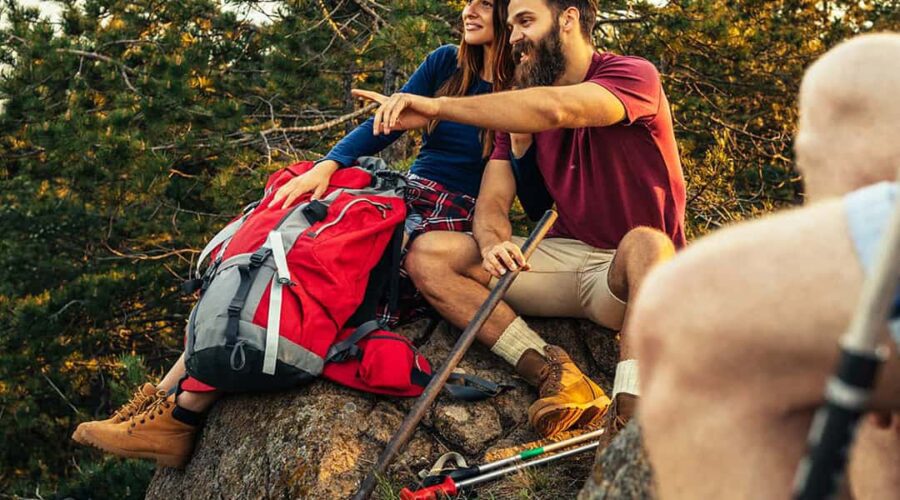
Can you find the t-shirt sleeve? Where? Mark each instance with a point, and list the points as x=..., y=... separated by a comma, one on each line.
x=635, y=82
x=501, y=146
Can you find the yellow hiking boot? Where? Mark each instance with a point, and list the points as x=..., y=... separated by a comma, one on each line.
x=568, y=398
x=153, y=433
x=142, y=398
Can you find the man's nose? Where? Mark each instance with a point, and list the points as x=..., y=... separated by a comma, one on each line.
x=516, y=36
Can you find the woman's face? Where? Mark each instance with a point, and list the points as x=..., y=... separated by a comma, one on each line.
x=478, y=22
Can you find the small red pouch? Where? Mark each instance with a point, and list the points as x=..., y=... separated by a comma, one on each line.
x=382, y=362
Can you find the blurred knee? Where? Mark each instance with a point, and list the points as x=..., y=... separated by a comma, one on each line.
x=673, y=343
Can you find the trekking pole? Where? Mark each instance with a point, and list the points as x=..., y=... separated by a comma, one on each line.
x=476, y=470
x=849, y=389
x=451, y=487
x=459, y=350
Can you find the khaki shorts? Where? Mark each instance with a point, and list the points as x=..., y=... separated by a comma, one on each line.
x=568, y=278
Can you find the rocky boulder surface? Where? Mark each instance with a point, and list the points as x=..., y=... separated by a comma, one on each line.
x=318, y=441
x=621, y=470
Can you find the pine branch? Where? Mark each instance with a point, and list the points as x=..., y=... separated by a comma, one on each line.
x=323, y=126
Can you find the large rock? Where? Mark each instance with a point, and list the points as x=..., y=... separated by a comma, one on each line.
x=318, y=441
x=621, y=470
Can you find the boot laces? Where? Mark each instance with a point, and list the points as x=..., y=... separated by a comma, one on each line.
x=553, y=382
x=136, y=405
x=157, y=407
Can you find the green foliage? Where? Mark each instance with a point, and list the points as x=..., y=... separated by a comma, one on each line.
x=731, y=71
x=130, y=131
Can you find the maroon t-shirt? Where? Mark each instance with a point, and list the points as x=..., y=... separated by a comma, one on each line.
x=608, y=180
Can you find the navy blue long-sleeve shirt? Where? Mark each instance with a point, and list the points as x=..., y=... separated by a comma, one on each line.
x=450, y=155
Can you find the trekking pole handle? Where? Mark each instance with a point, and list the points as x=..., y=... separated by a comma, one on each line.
x=447, y=488
x=439, y=378
x=834, y=424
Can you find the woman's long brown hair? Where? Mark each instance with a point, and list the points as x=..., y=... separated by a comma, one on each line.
x=470, y=63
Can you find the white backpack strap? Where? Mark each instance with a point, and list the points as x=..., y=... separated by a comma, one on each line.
x=276, y=243
x=281, y=277
x=273, y=329
x=219, y=239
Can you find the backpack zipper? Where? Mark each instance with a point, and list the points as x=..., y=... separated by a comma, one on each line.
x=382, y=208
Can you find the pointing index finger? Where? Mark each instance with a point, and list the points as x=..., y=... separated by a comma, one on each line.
x=369, y=95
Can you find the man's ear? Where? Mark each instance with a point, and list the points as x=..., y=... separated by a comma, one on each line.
x=569, y=20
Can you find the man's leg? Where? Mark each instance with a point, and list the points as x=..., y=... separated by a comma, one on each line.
x=640, y=250
x=446, y=267
x=736, y=337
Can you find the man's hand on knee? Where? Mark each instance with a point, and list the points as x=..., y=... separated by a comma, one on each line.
x=502, y=257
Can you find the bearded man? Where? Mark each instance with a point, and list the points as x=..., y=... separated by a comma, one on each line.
x=603, y=143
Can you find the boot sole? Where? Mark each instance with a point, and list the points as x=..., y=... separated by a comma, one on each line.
x=553, y=418
x=174, y=461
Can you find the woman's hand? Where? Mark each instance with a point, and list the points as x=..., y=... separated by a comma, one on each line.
x=314, y=180
x=399, y=111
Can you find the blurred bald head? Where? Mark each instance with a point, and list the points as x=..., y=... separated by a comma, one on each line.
x=849, y=130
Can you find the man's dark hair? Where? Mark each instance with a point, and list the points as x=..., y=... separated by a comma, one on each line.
x=587, y=12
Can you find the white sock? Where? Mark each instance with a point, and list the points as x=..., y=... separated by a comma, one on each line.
x=515, y=340
x=626, y=378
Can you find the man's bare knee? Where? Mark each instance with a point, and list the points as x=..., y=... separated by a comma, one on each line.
x=435, y=255
x=640, y=250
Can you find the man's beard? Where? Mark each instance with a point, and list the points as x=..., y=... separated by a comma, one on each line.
x=546, y=61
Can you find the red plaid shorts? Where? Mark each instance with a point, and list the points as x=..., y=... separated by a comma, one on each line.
x=431, y=207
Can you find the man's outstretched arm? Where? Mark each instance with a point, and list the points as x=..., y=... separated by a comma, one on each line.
x=522, y=111
x=536, y=109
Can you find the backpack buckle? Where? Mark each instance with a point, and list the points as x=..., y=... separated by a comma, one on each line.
x=259, y=257
x=340, y=353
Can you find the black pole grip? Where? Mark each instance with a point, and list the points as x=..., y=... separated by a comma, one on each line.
x=847, y=392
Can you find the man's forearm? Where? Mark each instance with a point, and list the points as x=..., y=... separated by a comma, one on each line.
x=491, y=226
x=522, y=111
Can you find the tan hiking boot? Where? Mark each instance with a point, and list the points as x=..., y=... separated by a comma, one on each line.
x=142, y=398
x=153, y=433
x=568, y=398
x=621, y=411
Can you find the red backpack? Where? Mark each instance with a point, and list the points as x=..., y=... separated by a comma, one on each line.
x=291, y=294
